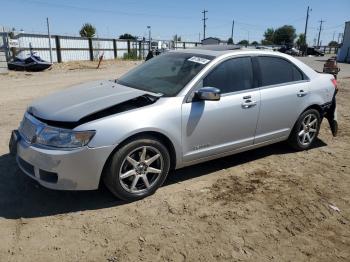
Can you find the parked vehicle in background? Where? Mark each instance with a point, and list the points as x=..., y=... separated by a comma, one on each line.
x=293, y=51
x=289, y=50
x=284, y=48
x=175, y=110
x=261, y=47
x=314, y=51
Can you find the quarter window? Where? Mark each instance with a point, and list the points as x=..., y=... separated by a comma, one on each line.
x=231, y=75
x=275, y=71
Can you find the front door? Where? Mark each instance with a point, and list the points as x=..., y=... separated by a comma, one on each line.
x=216, y=127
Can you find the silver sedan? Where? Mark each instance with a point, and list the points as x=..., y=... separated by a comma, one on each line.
x=175, y=110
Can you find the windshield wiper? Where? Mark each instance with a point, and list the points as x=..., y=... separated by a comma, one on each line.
x=157, y=94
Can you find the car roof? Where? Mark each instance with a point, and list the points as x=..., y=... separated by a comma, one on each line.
x=209, y=51
x=219, y=50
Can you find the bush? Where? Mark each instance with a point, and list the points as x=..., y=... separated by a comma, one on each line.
x=131, y=56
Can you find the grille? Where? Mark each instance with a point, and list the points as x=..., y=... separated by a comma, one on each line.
x=26, y=166
x=47, y=176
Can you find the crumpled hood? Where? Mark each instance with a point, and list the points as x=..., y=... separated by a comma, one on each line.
x=74, y=103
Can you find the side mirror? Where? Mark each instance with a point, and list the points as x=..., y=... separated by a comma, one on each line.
x=208, y=93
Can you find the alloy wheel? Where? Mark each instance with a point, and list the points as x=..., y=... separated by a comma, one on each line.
x=141, y=169
x=308, y=129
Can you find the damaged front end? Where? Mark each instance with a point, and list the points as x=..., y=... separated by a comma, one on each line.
x=62, y=134
x=138, y=102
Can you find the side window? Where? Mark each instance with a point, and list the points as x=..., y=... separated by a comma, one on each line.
x=232, y=75
x=275, y=71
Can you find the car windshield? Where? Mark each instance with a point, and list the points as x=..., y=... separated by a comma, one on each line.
x=166, y=74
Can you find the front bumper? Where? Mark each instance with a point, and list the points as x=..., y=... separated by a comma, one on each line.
x=78, y=169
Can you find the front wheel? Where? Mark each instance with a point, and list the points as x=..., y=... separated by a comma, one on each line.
x=137, y=169
x=305, y=130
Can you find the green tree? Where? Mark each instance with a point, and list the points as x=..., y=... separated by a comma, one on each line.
x=333, y=43
x=254, y=43
x=284, y=35
x=87, y=30
x=243, y=42
x=230, y=41
x=301, y=40
x=269, y=36
x=127, y=36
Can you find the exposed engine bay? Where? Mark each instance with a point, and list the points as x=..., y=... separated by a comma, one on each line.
x=131, y=104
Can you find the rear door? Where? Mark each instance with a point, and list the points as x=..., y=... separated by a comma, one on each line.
x=284, y=95
x=215, y=127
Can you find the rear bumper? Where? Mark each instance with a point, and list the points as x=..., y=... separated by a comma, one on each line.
x=330, y=112
x=78, y=169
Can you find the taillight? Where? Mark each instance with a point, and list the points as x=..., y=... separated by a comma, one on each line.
x=334, y=81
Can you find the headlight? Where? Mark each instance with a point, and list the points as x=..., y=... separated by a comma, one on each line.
x=64, y=138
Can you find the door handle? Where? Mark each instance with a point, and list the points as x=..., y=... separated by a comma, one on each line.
x=248, y=104
x=302, y=93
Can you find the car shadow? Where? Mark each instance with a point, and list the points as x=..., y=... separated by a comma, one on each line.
x=22, y=197
x=233, y=160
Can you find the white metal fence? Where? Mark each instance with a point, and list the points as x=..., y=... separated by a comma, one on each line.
x=3, y=62
x=72, y=48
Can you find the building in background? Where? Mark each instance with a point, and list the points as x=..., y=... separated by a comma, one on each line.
x=211, y=41
x=344, y=52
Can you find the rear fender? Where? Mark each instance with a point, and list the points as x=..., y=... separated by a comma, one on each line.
x=331, y=114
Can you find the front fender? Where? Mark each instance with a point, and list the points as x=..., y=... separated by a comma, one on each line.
x=164, y=117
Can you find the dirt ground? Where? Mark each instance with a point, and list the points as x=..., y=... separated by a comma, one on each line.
x=270, y=204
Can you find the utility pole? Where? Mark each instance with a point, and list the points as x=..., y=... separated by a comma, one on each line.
x=204, y=22
x=149, y=37
x=306, y=22
x=49, y=35
x=319, y=32
x=233, y=25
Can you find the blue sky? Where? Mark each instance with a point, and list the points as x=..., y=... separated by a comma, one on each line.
x=182, y=17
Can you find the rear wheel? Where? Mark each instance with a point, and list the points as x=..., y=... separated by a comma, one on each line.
x=305, y=130
x=137, y=169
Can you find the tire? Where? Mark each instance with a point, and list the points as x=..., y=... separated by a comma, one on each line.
x=137, y=169
x=305, y=131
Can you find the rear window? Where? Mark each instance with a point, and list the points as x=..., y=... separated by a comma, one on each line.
x=276, y=70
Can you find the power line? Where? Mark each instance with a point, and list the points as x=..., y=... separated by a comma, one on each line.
x=333, y=27
x=96, y=10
